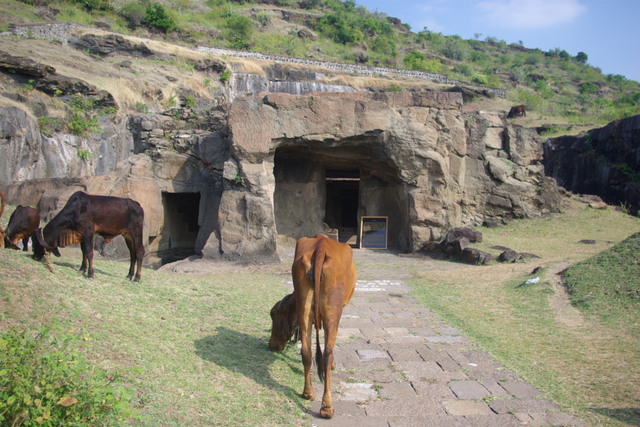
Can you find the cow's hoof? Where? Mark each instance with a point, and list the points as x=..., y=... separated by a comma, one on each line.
x=326, y=412
x=309, y=396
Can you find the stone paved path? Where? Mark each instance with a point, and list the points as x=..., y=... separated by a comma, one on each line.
x=398, y=364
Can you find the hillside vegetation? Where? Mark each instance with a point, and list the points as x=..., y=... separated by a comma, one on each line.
x=557, y=88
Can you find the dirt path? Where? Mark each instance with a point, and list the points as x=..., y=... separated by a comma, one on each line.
x=560, y=301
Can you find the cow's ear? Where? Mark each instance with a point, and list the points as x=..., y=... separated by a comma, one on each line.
x=55, y=251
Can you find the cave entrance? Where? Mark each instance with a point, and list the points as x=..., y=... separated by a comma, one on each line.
x=342, y=202
x=180, y=226
x=332, y=187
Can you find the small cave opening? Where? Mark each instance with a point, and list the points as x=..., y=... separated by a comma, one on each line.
x=342, y=203
x=181, y=226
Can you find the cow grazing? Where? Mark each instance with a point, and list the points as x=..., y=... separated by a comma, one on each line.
x=517, y=111
x=324, y=279
x=22, y=223
x=85, y=215
x=285, y=323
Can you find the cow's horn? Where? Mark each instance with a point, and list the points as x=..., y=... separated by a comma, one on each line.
x=40, y=238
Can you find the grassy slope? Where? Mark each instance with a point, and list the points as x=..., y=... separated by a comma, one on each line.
x=193, y=349
x=608, y=284
x=584, y=364
x=556, y=100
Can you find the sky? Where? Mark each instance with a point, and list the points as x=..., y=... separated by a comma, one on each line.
x=608, y=31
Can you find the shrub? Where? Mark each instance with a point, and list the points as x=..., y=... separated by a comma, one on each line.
x=83, y=118
x=82, y=124
x=225, y=76
x=157, y=17
x=84, y=154
x=480, y=79
x=134, y=13
x=454, y=49
x=340, y=28
x=48, y=125
x=384, y=45
x=263, y=18
x=190, y=102
x=239, y=31
x=464, y=69
x=44, y=382
x=415, y=60
x=582, y=57
x=142, y=108
x=90, y=5
x=588, y=88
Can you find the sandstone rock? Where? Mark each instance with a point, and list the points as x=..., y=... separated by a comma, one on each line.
x=509, y=256
x=413, y=156
x=476, y=256
x=24, y=66
x=110, y=44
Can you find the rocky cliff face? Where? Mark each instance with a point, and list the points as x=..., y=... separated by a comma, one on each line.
x=604, y=162
x=281, y=164
x=236, y=173
x=417, y=160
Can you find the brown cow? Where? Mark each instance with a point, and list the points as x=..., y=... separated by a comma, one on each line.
x=22, y=223
x=85, y=215
x=517, y=111
x=324, y=279
x=284, y=323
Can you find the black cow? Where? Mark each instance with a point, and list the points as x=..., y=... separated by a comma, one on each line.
x=85, y=215
x=517, y=111
x=22, y=223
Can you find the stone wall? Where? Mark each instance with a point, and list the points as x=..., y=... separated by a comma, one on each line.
x=345, y=68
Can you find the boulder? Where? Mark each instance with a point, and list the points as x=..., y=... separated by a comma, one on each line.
x=110, y=44
x=476, y=256
x=24, y=66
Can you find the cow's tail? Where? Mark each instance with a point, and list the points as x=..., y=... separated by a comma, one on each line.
x=318, y=263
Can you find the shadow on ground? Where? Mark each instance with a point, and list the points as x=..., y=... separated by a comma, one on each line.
x=629, y=416
x=249, y=356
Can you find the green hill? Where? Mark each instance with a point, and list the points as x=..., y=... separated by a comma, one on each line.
x=557, y=88
x=608, y=284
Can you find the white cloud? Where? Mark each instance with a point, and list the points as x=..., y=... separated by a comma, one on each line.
x=530, y=14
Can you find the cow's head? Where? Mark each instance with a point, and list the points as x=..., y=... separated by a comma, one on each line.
x=40, y=247
x=284, y=323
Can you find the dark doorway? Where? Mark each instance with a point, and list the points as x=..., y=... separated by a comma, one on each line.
x=343, y=201
x=180, y=226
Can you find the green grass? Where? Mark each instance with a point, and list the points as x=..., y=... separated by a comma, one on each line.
x=588, y=366
x=607, y=285
x=192, y=349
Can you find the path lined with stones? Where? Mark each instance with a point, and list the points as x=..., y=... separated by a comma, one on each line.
x=398, y=364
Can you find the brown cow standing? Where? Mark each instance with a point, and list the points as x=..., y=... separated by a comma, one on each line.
x=324, y=279
x=85, y=215
x=517, y=111
x=22, y=223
